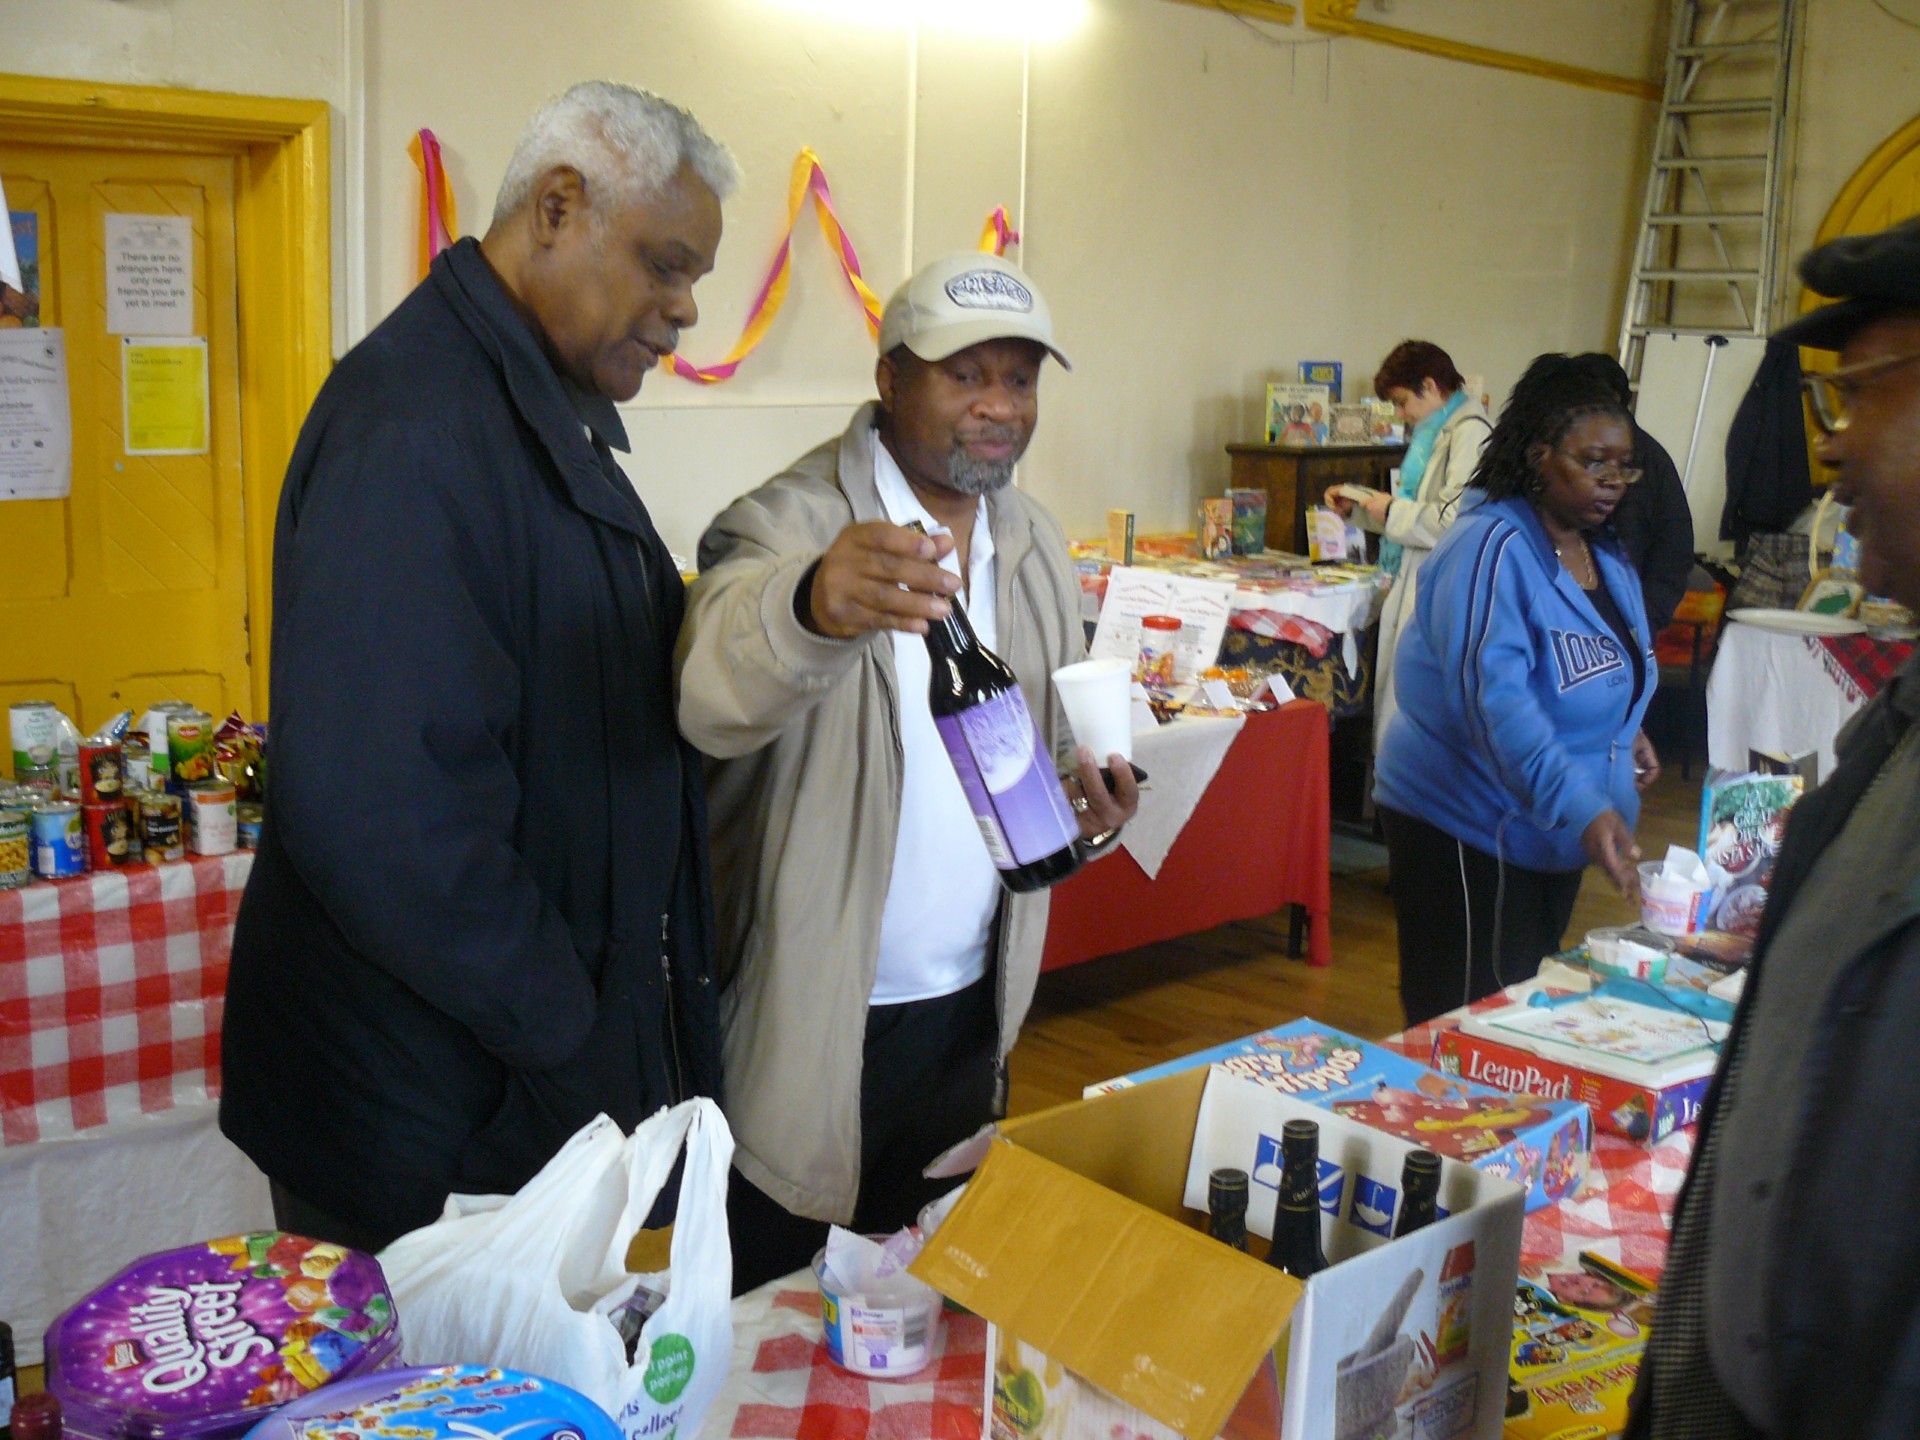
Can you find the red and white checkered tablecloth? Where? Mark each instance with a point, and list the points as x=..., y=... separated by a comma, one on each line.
x=1624, y=1211
x=112, y=987
x=784, y=1387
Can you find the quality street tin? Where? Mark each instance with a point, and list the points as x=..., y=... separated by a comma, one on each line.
x=59, y=843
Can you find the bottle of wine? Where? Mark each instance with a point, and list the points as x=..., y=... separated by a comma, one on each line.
x=1003, y=764
x=1419, y=1192
x=1296, y=1220
x=1227, y=1206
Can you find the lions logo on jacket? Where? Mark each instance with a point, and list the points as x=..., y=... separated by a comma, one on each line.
x=1583, y=657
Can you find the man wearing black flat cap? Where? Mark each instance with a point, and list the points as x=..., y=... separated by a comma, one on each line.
x=1791, y=1300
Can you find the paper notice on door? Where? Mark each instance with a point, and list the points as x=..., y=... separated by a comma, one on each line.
x=36, y=425
x=149, y=275
x=164, y=386
x=1202, y=605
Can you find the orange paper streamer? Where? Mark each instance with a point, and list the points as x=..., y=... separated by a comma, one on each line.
x=810, y=179
x=439, y=218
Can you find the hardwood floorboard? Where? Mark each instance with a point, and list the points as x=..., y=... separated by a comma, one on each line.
x=1109, y=1016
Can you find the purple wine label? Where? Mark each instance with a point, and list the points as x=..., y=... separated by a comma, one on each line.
x=1015, y=797
x=223, y=1328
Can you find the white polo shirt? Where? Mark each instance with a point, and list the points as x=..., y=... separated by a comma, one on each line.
x=944, y=891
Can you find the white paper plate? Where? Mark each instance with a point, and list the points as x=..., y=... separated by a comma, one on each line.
x=1797, y=622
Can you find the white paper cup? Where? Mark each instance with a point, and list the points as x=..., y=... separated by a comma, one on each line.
x=1098, y=697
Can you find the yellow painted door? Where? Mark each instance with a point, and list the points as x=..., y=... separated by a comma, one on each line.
x=133, y=589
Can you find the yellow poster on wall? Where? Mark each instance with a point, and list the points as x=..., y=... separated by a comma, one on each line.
x=164, y=385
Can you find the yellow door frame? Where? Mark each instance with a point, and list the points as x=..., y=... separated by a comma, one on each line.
x=284, y=266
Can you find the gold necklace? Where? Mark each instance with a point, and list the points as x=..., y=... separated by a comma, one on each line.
x=1586, y=554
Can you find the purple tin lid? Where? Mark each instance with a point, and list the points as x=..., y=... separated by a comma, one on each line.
x=201, y=1343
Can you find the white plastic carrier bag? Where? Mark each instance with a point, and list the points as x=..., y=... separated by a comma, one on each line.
x=537, y=1281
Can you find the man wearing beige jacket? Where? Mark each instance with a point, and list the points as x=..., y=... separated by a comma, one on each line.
x=875, y=971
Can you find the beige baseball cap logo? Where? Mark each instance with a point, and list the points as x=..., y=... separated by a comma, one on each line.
x=989, y=290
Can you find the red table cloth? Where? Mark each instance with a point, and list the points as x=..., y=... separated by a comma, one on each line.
x=112, y=987
x=1259, y=839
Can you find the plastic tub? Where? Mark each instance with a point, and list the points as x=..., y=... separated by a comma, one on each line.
x=887, y=1333
x=1681, y=913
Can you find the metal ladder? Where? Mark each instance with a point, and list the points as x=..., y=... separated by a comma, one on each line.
x=1710, y=227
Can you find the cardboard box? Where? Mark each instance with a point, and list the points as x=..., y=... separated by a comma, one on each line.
x=1644, y=1114
x=1537, y=1142
x=1109, y=1314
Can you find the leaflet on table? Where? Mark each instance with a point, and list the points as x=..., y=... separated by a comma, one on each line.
x=1539, y=1143
x=1132, y=594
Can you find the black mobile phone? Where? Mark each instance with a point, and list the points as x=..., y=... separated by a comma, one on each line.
x=1139, y=775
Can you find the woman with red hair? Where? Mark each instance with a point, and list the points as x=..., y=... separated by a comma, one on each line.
x=1446, y=430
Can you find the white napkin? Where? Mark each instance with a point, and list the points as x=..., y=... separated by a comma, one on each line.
x=1180, y=760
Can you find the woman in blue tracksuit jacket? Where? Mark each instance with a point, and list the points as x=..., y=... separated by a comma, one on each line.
x=1517, y=754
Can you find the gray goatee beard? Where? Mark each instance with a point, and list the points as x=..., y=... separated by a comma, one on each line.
x=977, y=477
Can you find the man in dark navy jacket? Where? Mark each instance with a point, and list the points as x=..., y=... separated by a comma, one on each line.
x=480, y=913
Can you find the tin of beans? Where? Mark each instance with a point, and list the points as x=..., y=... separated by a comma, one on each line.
x=249, y=815
x=138, y=759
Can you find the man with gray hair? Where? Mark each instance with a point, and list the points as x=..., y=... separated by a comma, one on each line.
x=876, y=972
x=480, y=914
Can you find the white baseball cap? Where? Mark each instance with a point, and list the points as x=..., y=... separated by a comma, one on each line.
x=961, y=300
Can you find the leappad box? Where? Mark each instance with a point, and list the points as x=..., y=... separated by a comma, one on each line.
x=1109, y=1313
x=1644, y=1114
x=1537, y=1142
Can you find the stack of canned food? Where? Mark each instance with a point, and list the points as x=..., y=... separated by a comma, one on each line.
x=125, y=795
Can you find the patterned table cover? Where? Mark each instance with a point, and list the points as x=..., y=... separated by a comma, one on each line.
x=783, y=1386
x=112, y=988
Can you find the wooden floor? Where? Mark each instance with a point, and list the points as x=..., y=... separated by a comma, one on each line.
x=1109, y=1016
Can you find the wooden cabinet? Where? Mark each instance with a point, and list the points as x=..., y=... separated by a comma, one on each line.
x=1296, y=477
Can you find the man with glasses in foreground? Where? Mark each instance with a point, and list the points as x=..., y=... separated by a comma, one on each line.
x=1791, y=1300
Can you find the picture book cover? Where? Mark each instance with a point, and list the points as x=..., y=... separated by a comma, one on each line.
x=1322, y=372
x=1578, y=1336
x=1298, y=414
x=1350, y=425
x=1742, y=821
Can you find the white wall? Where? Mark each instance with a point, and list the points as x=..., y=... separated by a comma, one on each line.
x=1205, y=201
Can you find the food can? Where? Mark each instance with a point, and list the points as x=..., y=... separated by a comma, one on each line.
x=212, y=824
x=103, y=773
x=138, y=760
x=16, y=843
x=67, y=772
x=160, y=827
x=155, y=725
x=109, y=834
x=59, y=841
x=35, y=727
x=189, y=748
x=249, y=815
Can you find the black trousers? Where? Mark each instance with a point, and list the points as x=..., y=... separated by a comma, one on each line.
x=928, y=1080
x=1469, y=923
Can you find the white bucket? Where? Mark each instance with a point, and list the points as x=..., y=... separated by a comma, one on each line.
x=887, y=1333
